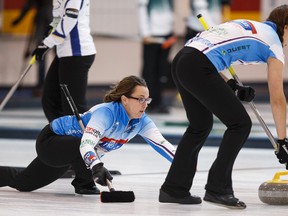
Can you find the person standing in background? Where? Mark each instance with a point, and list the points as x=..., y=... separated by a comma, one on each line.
x=43, y=17
x=214, y=12
x=70, y=33
x=156, y=22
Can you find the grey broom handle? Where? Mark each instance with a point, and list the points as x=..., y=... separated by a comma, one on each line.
x=15, y=86
x=72, y=105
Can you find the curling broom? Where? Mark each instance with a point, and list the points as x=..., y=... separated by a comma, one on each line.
x=116, y=196
x=105, y=196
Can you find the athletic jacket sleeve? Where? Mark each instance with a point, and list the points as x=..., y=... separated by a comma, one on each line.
x=100, y=120
x=65, y=23
x=69, y=125
x=154, y=138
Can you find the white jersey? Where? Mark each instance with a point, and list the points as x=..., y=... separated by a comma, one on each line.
x=239, y=42
x=155, y=17
x=71, y=23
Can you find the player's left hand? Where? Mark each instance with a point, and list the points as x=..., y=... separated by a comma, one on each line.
x=244, y=93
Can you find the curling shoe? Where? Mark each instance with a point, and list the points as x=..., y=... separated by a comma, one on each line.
x=225, y=200
x=166, y=198
x=87, y=190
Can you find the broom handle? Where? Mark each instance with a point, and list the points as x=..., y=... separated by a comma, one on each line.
x=15, y=86
x=72, y=105
x=110, y=186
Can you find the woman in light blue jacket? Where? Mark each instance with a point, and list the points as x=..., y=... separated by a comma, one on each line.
x=108, y=126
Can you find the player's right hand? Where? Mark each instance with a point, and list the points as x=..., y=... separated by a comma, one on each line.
x=40, y=51
x=100, y=174
x=282, y=151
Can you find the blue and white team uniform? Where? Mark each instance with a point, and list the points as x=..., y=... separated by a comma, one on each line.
x=71, y=25
x=196, y=72
x=62, y=145
x=239, y=42
x=108, y=128
x=75, y=49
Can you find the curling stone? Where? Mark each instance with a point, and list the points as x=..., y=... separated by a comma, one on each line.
x=275, y=191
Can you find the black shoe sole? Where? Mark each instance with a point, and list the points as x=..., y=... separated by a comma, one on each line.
x=226, y=206
x=214, y=199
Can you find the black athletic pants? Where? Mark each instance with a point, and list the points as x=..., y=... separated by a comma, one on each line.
x=55, y=154
x=72, y=71
x=155, y=67
x=205, y=93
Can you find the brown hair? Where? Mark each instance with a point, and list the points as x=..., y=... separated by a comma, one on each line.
x=125, y=87
x=279, y=16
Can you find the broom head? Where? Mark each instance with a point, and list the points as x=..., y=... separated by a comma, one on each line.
x=117, y=196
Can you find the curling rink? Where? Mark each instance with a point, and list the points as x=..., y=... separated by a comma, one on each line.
x=143, y=171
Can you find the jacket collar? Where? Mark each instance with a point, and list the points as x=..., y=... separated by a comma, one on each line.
x=271, y=24
x=124, y=116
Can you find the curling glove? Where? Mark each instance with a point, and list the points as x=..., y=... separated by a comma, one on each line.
x=40, y=51
x=244, y=93
x=282, y=151
x=100, y=174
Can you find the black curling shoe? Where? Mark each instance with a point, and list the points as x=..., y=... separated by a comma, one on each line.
x=87, y=191
x=166, y=198
x=226, y=200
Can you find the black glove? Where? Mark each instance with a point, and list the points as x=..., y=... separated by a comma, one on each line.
x=244, y=93
x=40, y=51
x=100, y=174
x=281, y=152
x=233, y=84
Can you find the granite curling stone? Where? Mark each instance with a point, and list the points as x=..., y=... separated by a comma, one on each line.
x=275, y=191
